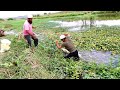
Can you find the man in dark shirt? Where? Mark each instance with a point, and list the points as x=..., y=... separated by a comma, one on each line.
x=69, y=46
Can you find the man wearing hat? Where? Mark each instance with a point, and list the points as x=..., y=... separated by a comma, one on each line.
x=68, y=47
x=28, y=33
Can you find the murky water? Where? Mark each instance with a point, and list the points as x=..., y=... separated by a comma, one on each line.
x=83, y=25
x=99, y=57
x=11, y=32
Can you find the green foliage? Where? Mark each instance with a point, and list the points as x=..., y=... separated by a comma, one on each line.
x=10, y=19
x=49, y=59
x=100, y=39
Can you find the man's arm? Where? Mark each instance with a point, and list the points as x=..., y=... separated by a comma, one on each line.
x=31, y=34
x=67, y=35
x=58, y=46
x=26, y=27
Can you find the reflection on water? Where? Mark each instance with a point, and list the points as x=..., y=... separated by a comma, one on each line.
x=99, y=57
x=82, y=25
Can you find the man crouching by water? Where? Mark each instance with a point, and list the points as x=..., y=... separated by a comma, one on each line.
x=69, y=47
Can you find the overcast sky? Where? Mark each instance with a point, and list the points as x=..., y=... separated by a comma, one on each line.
x=8, y=14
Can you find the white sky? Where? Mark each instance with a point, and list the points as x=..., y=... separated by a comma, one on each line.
x=8, y=14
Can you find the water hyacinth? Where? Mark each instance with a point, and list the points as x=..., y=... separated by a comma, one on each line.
x=47, y=61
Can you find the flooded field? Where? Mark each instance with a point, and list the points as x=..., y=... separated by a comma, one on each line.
x=86, y=24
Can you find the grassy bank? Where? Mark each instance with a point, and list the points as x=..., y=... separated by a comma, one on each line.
x=47, y=61
x=82, y=15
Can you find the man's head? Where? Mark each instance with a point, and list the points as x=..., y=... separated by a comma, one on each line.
x=63, y=38
x=29, y=18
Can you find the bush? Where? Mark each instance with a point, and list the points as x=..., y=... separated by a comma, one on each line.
x=10, y=19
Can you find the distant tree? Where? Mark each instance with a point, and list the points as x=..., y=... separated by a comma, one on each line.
x=37, y=15
x=1, y=19
x=34, y=15
x=109, y=11
x=10, y=19
x=45, y=13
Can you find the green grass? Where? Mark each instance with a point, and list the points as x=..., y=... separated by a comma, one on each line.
x=82, y=15
x=47, y=61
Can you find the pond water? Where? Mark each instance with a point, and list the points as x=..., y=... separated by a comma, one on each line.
x=86, y=24
x=11, y=32
x=100, y=57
